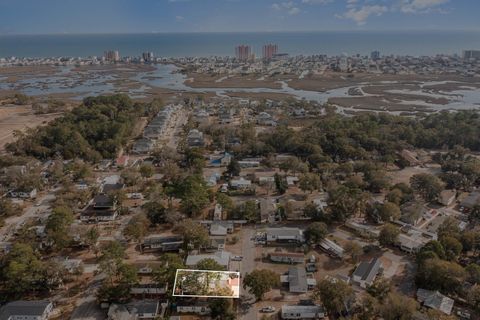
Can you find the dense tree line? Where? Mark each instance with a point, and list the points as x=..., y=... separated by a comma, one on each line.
x=94, y=130
x=337, y=138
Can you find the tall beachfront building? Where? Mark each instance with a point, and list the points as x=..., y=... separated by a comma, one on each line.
x=112, y=55
x=269, y=51
x=243, y=52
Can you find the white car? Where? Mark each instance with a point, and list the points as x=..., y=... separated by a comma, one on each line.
x=267, y=309
x=237, y=258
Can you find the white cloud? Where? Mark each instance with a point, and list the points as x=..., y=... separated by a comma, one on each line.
x=317, y=1
x=361, y=14
x=420, y=6
x=179, y=18
x=289, y=7
x=293, y=11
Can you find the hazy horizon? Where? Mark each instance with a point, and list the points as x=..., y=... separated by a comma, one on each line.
x=172, y=16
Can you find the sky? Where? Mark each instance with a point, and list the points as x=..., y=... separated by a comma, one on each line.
x=146, y=16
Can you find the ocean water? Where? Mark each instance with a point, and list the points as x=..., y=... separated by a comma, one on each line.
x=223, y=44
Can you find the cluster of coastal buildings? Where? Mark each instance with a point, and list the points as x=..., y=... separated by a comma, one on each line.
x=155, y=130
x=272, y=62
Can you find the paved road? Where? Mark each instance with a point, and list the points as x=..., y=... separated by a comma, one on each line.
x=14, y=223
x=246, y=308
x=87, y=307
x=173, y=135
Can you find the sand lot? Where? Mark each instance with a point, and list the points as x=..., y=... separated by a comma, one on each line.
x=19, y=118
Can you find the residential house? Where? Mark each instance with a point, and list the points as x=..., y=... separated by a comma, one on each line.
x=332, y=248
x=287, y=257
x=472, y=200
x=81, y=185
x=213, y=179
x=248, y=164
x=298, y=281
x=221, y=257
x=136, y=310
x=195, y=307
x=412, y=212
x=162, y=243
x=266, y=119
x=321, y=202
x=222, y=161
x=103, y=209
x=26, y=310
x=298, y=112
x=148, y=287
x=111, y=187
x=143, y=146
x=366, y=272
x=216, y=243
x=27, y=193
x=240, y=184
x=303, y=312
x=103, y=202
x=225, y=115
x=292, y=180
x=266, y=180
x=435, y=300
x=202, y=116
x=195, y=138
x=285, y=235
x=447, y=197
x=362, y=229
x=412, y=239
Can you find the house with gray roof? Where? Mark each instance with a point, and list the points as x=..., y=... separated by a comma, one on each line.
x=303, y=312
x=195, y=138
x=285, y=235
x=297, y=280
x=143, y=146
x=287, y=257
x=435, y=300
x=366, y=272
x=30, y=310
x=221, y=257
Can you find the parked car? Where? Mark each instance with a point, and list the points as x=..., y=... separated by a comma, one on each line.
x=268, y=309
x=237, y=258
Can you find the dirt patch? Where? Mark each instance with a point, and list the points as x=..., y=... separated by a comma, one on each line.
x=20, y=118
x=404, y=175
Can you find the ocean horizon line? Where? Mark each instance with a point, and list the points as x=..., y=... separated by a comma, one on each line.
x=383, y=31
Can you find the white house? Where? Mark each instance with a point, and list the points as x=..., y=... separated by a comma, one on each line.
x=24, y=194
x=26, y=310
x=241, y=183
